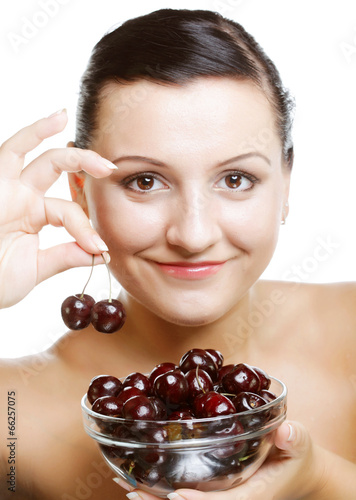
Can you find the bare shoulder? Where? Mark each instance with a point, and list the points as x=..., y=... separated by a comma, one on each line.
x=339, y=298
x=323, y=313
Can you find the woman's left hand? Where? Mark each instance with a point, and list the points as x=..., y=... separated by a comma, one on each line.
x=295, y=470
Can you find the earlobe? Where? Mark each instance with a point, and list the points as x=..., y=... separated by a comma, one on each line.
x=76, y=186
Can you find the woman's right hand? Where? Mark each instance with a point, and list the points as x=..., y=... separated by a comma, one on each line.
x=24, y=210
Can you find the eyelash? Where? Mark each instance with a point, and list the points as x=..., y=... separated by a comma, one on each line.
x=128, y=180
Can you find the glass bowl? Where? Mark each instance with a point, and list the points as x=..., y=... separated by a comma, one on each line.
x=210, y=454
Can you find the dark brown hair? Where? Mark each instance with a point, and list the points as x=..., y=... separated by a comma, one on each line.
x=172, y=46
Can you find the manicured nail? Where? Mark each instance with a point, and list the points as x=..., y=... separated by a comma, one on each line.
x=108, y=164
x=100, y=244
x=133, y=494
x=122, y=483
x=291, y=433
x=57, y=112
x=106, y=257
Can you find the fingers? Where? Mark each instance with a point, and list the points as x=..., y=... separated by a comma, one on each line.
x=63, y=257
x=42, y=172
x=67, y=214
x=14, y=149
x=293, y=438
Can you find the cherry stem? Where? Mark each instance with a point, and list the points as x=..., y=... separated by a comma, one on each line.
x=107, y=267
x=91, y=272
x=198, y=379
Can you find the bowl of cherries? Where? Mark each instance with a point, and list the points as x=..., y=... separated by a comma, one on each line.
x=197, y=424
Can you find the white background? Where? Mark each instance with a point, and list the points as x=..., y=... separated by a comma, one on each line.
x=313, y=43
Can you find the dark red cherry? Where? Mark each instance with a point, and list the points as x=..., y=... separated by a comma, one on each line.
x=181, y=415
x=139, y=408
x=199, y=357
x=128, y=392
x=138, y=380
x=76, y=311
x=160, y=407
x=232, y=429
x=217, y=357
x=199, y=381
x=171, y=387
x=245, y=401
x=160, y=369
x=264, y=378
x=224, y=370
x=108, y=316
x=267, y=395
x=108, y=405
x=213, y=404
x=103, y=385
x=242, y=378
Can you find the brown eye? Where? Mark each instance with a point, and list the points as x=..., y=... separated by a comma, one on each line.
x=145, y=183
x=233, y=181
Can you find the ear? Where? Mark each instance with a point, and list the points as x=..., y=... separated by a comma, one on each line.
x=287, y=179
x=76, y=186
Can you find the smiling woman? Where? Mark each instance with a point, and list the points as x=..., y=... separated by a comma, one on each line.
x=182, y=162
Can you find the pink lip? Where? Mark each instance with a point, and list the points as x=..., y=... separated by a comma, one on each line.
x=191, y=271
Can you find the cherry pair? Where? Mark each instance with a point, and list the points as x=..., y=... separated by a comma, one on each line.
x=106, y=316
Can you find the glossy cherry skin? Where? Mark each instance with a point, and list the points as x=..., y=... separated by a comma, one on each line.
x=181, y=415
x=160, y=369
x=160, y=407
x=246, y=401
x=103, y=385
x=138, y=380
x=198, y=382
x=224, y=370
x=242, y=378
x=172, y=387
x=76, y=311
x=108, y=316
x=108, y=405
x=139, y=408
x=129, y=392
x=213, y=404
x=264, y=378
x=217, y=357
x=199, y=357
x=267, y=395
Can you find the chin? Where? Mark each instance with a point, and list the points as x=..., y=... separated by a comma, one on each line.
x=190, y=318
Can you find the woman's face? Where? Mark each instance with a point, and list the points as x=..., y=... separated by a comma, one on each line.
x=192, y=214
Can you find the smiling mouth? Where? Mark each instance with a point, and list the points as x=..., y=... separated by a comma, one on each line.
x=190, y=270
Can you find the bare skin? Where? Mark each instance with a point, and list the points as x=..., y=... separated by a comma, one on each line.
x=303, y=334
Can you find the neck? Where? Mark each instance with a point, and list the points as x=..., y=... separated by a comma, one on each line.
x=154, y=340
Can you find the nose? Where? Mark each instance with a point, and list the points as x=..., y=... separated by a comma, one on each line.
x=193, y=223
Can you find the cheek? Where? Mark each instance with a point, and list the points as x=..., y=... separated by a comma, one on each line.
x=254, y=224
x=126, y=227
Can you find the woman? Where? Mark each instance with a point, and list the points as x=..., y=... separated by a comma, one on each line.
x=182, y=161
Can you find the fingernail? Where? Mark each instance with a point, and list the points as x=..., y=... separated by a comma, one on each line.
x=133, y=494
x=57, y=112
x=122, y=483
x=106, y=257
x=175, y=496
x=108, y=164
x=291, y=433
x=101, y=245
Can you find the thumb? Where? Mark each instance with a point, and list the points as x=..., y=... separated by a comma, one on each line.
x=292, y=438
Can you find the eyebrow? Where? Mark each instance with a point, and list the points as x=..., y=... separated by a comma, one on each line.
x=158, y=163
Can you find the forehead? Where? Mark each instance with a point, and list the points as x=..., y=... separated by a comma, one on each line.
x=207, y=114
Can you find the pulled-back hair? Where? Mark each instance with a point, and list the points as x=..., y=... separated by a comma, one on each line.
x=172, y=46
